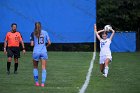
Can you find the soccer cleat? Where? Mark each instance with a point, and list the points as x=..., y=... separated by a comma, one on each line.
x=105, y=75
x=8, y=72
x=37, y=84
x=42, y=85
x=15, y=72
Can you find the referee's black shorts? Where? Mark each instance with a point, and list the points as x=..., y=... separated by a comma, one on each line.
x=13, y=51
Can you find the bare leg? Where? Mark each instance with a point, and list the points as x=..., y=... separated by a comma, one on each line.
x=102, y=68
x=9, y=59
x=44, y=73
x=107, y=62
x=106, y=67
x=35, y=64
x=44, y=62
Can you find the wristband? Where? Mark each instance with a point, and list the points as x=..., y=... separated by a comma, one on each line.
x=23, y=48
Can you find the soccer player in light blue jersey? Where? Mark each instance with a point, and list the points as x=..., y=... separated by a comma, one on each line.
x=38, y=39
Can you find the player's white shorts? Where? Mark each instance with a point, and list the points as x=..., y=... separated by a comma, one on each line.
x=103, y=58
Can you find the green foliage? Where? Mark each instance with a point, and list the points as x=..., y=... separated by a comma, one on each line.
x=121, y=14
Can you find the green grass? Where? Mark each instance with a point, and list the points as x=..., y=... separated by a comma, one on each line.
x=124, y=75
x=67, y=72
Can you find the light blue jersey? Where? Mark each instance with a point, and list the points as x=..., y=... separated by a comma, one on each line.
x=40, y=50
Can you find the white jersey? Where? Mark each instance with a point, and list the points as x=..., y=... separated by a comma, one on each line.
x=105, y=47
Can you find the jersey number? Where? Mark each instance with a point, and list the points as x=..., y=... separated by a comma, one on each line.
x=41, y=40
x=102, y=44
x=16, y=38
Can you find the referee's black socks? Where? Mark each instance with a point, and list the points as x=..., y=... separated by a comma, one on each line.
x=8, y=66
x=16, y=66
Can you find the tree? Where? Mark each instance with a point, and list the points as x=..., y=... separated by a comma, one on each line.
x=121, y=14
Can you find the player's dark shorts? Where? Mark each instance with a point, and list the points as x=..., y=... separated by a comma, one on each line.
x=13, y=51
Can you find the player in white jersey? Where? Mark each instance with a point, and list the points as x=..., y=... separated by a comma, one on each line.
x=105, y=52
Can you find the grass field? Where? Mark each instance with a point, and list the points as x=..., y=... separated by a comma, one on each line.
x=67, y=72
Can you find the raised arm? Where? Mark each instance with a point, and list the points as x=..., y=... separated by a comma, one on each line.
x=100, y=31
x=113, y=32
x=97, y=34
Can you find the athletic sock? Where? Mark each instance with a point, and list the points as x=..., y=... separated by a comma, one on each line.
x=35, y=72
x=106, y=70
x=8, y=66
x=44, y=75
x=16, y=67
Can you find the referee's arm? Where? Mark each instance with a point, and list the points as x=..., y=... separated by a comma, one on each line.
x=5, y=45
x=22, y=43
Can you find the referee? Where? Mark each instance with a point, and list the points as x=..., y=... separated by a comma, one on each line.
x=11, y=47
